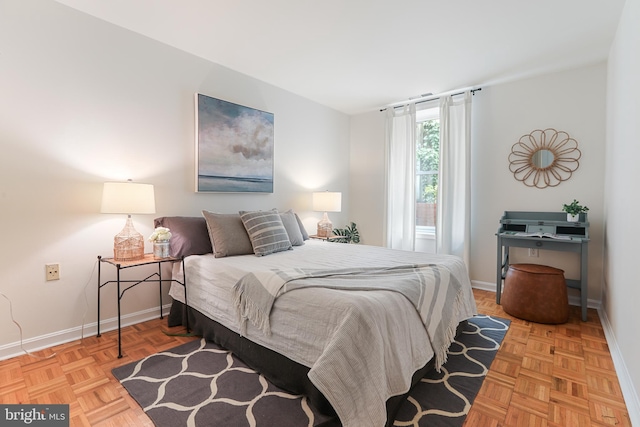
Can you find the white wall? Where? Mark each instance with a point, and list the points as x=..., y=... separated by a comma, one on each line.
x=83, y=102
x=573, y=101
x=367, y=166
x=621, y=289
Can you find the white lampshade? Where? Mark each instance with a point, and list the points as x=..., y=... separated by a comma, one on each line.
x=327, y=201
x=128, y=198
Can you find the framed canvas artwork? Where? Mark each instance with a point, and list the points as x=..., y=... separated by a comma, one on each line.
x=234, y=147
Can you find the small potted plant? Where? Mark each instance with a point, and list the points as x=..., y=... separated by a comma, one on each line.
x=573, y=210
x=160, y=239
x=349, y=234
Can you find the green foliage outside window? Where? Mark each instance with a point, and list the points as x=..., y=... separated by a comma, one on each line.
x=427, y=160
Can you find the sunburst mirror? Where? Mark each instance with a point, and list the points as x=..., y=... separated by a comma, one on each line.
x=544, y=158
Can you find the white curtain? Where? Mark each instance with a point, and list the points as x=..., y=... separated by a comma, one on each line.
x=400, y=185
x=454, y=199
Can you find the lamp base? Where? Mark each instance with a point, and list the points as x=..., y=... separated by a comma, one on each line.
x=128, y=245
x=325, y=227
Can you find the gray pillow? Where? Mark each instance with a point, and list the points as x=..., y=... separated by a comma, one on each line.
x=228, y=235
x=293, y=229
x=266, y=231
x=305, y=235
x=189, y=235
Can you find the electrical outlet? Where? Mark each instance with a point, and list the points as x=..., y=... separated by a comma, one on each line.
x=533, y=252
x=52, y=272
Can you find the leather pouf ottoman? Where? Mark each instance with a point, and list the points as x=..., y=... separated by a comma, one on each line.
x=536, y=292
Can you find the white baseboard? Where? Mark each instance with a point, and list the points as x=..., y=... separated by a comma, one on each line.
x=485, y=286
x=90, y=329
x=626, y=384
x=573, y=300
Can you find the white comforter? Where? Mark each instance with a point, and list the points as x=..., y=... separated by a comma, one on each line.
x=362, y=347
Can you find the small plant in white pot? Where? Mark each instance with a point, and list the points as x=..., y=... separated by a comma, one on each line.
x=573, y=210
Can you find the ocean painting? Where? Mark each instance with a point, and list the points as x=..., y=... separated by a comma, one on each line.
x=234, y=147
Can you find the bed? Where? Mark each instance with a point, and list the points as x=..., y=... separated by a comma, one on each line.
x=341, y=331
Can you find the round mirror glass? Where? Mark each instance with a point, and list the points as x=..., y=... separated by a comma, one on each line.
x=542, y=158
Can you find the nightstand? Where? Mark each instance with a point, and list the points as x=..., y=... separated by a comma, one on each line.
x=148, y=259
x=332, y=238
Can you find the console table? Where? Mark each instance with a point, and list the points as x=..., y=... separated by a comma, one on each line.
x=548, y=231
x=148, y=259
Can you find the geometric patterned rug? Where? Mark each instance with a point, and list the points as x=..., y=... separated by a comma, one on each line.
x=444, y=398
x=201, y=384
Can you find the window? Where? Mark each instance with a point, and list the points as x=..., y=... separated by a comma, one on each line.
x=427, y=166
x=445, y=137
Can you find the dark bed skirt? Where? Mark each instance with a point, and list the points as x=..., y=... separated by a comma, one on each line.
x=278, y=369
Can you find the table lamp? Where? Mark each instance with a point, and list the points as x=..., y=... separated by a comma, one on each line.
x=128, y=198
x=326, y=201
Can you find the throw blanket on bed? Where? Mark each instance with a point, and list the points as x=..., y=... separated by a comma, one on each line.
x=434, y=292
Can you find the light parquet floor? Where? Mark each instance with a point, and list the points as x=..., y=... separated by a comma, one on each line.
x=549, y=375
x=543, y=375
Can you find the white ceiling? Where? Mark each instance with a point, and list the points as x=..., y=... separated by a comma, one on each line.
x=359, y=55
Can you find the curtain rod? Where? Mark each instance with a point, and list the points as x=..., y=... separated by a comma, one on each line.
x=429, y=98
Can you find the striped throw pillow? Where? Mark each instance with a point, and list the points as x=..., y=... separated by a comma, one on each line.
x=266, y=231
